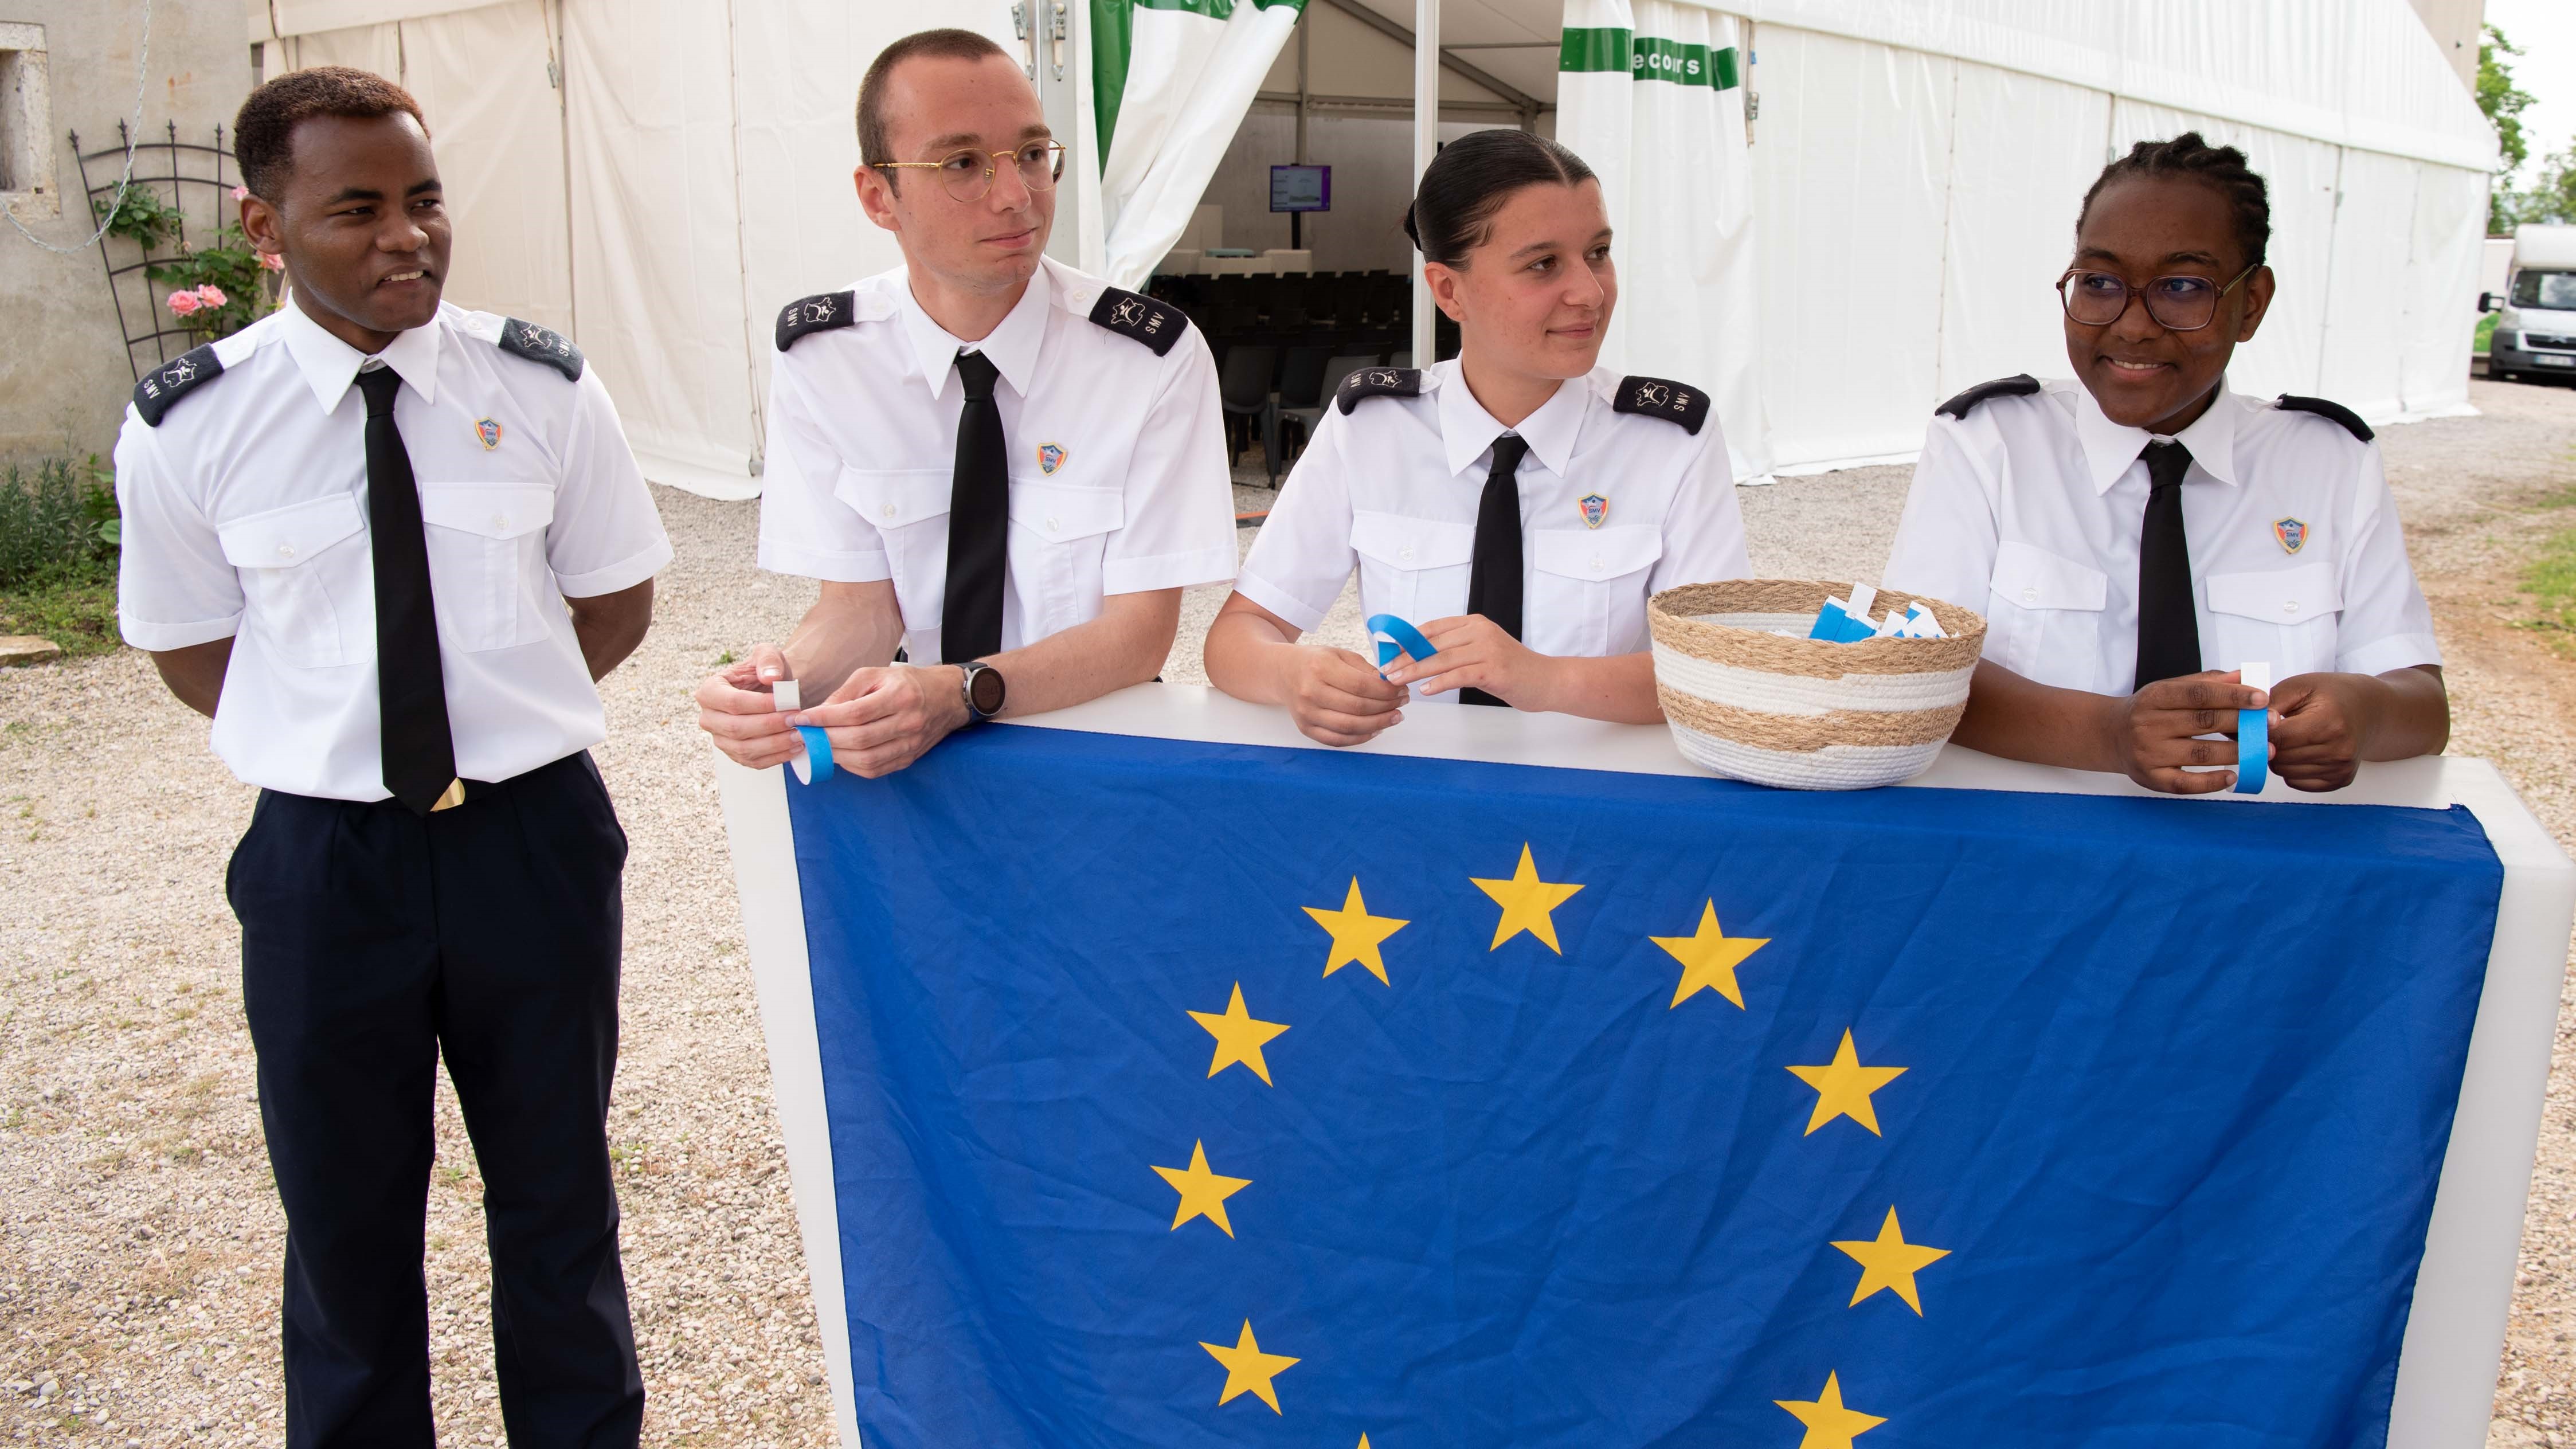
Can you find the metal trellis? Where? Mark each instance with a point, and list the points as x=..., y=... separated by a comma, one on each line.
x=158, y=337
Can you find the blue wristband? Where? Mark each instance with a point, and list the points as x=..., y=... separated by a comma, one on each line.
x=816, y=763
x=2254, y=733
x=1406, y=637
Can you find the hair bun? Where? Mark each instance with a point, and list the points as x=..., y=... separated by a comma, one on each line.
x=1410, y=234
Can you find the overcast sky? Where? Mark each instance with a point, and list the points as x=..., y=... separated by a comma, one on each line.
x=2546, y=31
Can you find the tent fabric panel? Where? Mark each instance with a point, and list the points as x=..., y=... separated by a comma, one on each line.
x=656, y=244
x=2366, y=331
x=2440, y=312
x=480, y=75
x=2011, y=228
x=375, y=48
x=1851, y=163
x=1188, y=80
x=281, y=19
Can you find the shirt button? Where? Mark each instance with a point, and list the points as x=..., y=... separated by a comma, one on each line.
x=2289, y=606
x=1405, y=554
x=2030, y=596
x=1052, y=525
x=500, y=521
x=889, y=510
x=1596, y=563
x=286, y=550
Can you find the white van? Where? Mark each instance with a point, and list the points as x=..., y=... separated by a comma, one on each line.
x=2535, y=333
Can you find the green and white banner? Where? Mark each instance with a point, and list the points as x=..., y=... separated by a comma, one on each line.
x=1650, y=92
x=1171, y=80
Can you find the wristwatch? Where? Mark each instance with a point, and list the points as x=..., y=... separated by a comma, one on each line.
x=983, y=689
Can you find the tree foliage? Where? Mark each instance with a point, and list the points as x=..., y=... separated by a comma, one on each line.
x=2503, y=102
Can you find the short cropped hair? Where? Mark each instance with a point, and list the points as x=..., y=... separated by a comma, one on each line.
x=949, y=44
x=2220, y=168
x=266, y=126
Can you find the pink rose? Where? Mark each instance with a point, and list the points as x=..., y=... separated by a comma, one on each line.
x=211, y=295
x=272, y=261
x=241, y=193
x=183, y=303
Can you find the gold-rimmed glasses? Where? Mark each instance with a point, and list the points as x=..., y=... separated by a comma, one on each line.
x=967, y=173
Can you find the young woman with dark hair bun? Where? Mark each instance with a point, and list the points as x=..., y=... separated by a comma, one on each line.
x=2136, y=534
x=1517, y=504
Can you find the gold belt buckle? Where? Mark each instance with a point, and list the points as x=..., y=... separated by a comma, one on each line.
x=451, y=797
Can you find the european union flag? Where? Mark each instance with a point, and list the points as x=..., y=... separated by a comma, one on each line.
x=1186, y=1094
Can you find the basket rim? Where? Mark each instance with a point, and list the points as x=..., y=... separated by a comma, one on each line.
x=1674, y=618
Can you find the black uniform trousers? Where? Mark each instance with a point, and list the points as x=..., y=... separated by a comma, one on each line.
x=374, y=940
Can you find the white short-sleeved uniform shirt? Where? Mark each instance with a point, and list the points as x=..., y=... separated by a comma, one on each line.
x=2029, y=509
x=1118, y=474
x=246, y=517
x=1614, y=506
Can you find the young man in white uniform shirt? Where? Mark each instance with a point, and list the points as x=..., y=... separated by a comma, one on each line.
x=1002, y=467
x=388, y=545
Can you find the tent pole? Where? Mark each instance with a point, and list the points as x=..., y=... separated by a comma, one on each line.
x=1426, y=143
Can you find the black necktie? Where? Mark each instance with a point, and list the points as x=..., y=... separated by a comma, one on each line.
x=1494, y=579
x=979, y=521
x=2168, y=629
x=417, y=750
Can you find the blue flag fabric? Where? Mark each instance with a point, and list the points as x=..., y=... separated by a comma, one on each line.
x=1190, y=1095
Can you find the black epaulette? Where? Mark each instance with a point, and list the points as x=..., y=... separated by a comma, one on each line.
x=541, y=344
x=174, y=380
x=2331, y=411
x=819, y=313
x=1156, y=324
x=1371, y=382
x=2018, y=385
x=1661, y=397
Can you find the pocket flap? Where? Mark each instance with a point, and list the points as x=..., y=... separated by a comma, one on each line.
x=285, y=537
x=895, y=497
x=1403, y=542
x=2277, y=596
x=493, y=510
x=1596, y=553
x=2034, y=578
x=1057, y=513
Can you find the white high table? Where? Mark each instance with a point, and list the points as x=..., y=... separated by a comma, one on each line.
x=2455, y=1334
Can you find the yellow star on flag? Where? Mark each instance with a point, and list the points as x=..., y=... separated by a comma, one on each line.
x=1248, y=1370
x=1356, y=933
x=1888, y=1261
x=1843, y=1086
x=1238, y=1037
x=1203, y=1193
x=1709, y=958
x=1526, y=901
x=1829, y=1424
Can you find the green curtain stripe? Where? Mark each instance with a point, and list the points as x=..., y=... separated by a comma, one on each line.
x=1647, y=57
x=1113, y=42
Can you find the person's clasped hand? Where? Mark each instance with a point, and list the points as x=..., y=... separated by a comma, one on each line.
x=1472, y=650
x=882, y=719
x=736, y=708
x=1339, y=698
x=2160, y=730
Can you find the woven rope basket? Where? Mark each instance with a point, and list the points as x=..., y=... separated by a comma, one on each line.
x=1801, y=713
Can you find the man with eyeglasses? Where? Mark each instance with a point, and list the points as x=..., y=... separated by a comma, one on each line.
x=2136, y=534
x=1003, y=471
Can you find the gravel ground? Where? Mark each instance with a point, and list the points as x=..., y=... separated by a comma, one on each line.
x=139, y=1236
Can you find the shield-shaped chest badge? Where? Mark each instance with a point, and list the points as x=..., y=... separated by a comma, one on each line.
x=488, y=432
x=1595, y=509
x=2291, y=534
x=1050, y=457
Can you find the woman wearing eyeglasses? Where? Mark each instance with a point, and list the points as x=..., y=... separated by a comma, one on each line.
x=2136, y=534
x=1518, y=504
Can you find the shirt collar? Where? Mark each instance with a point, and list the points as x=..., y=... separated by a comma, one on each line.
x=2109, y=447
x=330, y=365
x=1467, y=430
x=1012, y=346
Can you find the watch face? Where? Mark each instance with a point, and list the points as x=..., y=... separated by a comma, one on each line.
x=984, y=691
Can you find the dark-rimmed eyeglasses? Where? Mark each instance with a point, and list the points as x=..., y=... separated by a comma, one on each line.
x=2178, y=304
x=967, y=173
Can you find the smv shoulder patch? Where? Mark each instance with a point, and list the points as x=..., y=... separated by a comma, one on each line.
x=541, y=344
x=173, y=380
x=821, y=312
x=1371, y=382
x=1661, y=397
x=2332, y=412
x=1156, y=324
x=2018, y=385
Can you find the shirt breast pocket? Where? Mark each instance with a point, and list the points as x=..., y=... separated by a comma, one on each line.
x=1414, y=568
x=908, y=507
x=2044, y=617
x=487, y=568
x=300, y=569
x=1588, y=590
x=2286, y=617
x=1059, y=546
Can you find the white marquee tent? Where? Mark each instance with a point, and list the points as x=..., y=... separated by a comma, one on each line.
x=1854, y=208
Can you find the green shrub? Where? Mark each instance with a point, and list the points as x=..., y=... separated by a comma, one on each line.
x=57, y=525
